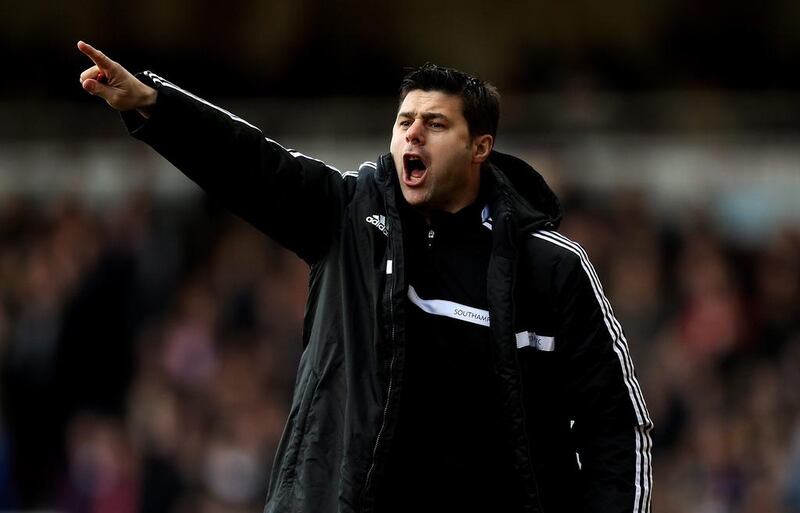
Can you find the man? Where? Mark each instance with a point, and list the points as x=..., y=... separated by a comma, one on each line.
x=459, y=353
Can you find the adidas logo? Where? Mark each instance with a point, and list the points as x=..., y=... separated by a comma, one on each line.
x=379, y=222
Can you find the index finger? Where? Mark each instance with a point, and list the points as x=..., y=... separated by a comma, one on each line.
x=96, y=55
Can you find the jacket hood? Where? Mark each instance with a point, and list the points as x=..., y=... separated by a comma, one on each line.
x=534, y=204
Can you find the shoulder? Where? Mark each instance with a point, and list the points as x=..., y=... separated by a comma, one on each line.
x=557, y=266
x=364, y=178
x=360, y=179
x=552, y=251
x=366, y=170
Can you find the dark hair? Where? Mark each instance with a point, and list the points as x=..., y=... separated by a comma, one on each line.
x=480, y=100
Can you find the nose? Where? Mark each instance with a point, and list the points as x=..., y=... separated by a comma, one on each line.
x=415, y=133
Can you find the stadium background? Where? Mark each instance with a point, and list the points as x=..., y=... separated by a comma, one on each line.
x=148, y=340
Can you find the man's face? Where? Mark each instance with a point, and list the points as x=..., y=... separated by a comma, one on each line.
x=433, y=152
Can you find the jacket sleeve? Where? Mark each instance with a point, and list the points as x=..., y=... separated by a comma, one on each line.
x=295, y=199
x=611, y=424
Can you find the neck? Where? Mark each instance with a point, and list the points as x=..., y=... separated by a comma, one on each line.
x=465, y=196
x=427, y=212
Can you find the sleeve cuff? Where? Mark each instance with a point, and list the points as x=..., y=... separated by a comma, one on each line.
x=135, y=122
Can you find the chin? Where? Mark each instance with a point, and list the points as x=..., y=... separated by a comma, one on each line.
x=418, y=201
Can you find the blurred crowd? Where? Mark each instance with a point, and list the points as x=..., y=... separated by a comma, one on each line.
x=148, y=357
x=148, y=353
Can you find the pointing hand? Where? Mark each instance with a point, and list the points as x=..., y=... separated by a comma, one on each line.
x=116, y=85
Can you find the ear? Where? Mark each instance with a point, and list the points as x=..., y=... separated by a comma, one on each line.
x=481, y=148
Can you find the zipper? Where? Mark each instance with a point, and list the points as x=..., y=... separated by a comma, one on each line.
x=431, y=234
x=388, y=392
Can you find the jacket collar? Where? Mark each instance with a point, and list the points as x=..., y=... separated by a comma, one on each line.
x=515, y=185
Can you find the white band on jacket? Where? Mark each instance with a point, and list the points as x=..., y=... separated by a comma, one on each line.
x=449, y=309
x=528, y=338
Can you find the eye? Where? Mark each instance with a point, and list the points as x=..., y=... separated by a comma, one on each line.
x=404, y=123
x=436, y=125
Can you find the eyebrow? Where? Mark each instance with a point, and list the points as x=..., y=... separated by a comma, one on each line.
x=426, y=116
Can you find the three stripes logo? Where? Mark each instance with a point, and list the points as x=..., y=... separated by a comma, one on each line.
x=379, y=222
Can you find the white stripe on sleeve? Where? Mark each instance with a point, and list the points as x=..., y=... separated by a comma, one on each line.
x=166, y=83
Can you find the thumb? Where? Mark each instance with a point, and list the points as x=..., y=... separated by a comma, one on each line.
x=96, y=88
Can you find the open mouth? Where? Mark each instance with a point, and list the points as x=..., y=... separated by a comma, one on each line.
x=414, y=169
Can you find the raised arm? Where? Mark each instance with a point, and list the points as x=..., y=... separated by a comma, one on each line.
x=295, y=199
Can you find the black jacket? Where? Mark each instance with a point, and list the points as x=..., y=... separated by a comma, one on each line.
x=566, y=378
